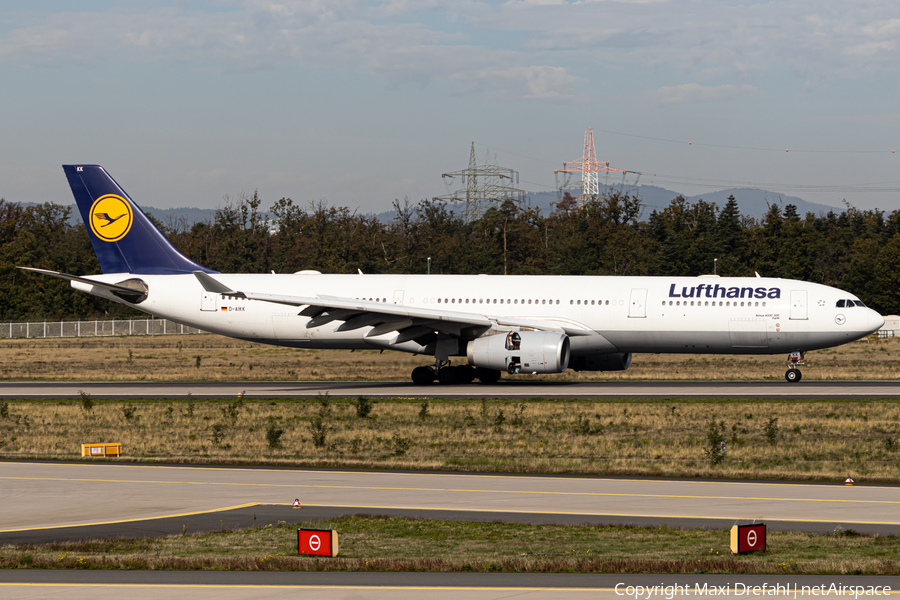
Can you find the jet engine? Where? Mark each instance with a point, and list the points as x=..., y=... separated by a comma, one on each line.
x=615, y=361
x=525, y=352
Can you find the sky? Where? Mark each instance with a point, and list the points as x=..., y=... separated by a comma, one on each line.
x=191, y=103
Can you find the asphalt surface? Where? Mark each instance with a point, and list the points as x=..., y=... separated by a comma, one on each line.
x=57, y=501
x=104, y=495
x=45, y=501
x=806, y=389
x=141, y=585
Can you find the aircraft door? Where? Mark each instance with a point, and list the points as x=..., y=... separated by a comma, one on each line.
x=398, y=296
x=798, y=305
x=208, y=301
x=638, y=307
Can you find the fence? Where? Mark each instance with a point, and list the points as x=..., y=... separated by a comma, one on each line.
x=63, y=329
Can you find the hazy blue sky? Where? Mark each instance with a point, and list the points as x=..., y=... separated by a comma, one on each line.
x=359, y=103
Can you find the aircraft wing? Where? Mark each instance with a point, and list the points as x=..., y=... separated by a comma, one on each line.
x=411, y=322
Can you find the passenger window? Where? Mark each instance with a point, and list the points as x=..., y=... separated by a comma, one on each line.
x=571, y=302
x=607, y=302
x=579, y=303
x=692, y=302
x=678, y=303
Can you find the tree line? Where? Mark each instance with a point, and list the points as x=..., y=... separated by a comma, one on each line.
x=856, y=250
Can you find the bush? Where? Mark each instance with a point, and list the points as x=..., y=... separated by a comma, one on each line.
x=324, y=405
x=4, y=410
x=715, y=437
x=772, y=430
x=128, y=412
x=400, y=445
x=423, y=411
x=218, y=433
x=319, y=431
x=364, y=406
x=273, y=435
x=232, y=410
x=87, y=403
x=499, y=420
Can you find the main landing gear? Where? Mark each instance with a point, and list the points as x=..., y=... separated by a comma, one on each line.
x=446, y=374
x=793, y=374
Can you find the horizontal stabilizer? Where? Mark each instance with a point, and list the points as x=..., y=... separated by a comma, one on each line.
x=129, y=293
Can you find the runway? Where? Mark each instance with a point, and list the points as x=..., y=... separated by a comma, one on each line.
x=503, y=389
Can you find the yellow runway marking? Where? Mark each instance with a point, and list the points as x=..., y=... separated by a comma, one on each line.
x=456, y=490
x=187, y=514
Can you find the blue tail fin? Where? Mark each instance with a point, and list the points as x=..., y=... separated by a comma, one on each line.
x=125, y=240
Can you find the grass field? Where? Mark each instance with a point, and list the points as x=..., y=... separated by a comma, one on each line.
x=213, y=357
x=779, y=439
x=397, y=544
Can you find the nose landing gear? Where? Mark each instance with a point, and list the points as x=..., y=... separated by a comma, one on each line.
x=793, y=374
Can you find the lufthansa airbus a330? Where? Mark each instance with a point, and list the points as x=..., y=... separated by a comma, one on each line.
x=499, y=324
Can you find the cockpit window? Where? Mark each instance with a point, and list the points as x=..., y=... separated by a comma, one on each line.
x=859, y=303
x=840, y=303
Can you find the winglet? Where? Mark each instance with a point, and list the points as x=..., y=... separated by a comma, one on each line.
x=211, y=285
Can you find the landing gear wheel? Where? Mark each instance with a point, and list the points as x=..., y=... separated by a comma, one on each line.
x=447, y=375
x=465, y=374
x=793, y=375
x=487, y=375
x=423, y=375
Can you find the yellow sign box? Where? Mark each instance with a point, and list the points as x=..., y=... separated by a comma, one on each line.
x=101, y=450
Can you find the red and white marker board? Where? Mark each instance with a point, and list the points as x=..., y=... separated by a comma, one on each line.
x=317, y=542
x=748, y=538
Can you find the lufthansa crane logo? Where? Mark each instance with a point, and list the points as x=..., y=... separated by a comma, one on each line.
x=111, y=217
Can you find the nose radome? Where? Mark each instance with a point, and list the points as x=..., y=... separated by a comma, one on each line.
x=876, y=321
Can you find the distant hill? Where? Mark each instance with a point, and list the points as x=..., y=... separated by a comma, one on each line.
x=752, y=202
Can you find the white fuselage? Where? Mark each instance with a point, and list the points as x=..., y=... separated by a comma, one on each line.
x=615, y=314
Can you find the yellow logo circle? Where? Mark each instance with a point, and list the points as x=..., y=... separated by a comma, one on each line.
x=111, y=217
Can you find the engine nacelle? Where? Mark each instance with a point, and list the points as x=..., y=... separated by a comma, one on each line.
x=615, y=361
x=521, y=351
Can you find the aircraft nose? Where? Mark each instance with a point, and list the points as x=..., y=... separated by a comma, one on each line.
x=876, y=321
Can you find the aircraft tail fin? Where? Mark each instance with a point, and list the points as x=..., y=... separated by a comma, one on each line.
x=124, y=238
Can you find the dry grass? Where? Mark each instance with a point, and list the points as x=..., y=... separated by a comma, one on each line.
x=812, y=440
x=401, y=544
x=174, y=358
